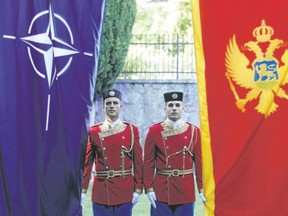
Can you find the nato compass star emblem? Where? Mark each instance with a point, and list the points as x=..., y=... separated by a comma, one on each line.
x=49, y=47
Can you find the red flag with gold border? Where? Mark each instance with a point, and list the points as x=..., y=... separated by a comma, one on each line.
x=242, y=60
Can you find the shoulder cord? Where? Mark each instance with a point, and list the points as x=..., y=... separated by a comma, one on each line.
x=191, y=142
x=125, y=150
x=185, y=149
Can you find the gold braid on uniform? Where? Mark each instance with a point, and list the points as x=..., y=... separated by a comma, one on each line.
x=125, y=150
x=185, y=149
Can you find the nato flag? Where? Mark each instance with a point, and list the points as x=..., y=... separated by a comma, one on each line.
x=49, y=52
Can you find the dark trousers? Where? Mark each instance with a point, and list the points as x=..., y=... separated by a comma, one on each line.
x=112, y=210
x=163, y=209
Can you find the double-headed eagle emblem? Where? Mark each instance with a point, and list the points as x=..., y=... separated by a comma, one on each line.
x=264, y=76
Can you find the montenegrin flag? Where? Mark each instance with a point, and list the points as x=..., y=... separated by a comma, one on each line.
x=242, y=68
x=49, y=51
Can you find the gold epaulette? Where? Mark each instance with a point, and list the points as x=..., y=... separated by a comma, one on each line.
x=96, y=125
x=129, y=123
x=158, y=123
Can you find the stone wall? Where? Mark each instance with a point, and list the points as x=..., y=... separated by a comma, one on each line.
x=144, y=102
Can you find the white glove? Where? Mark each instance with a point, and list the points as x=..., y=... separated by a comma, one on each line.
x=83, y=195
x=203, y=198
x=136, y=198
x=152, y=198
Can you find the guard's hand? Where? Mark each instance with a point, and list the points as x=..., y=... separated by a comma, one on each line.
x=83, y=195
x=136, y=198
x=203, y=198
x=152, y=198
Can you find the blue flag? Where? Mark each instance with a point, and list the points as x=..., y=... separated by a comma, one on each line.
x=49, y=52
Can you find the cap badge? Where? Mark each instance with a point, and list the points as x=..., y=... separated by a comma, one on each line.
x=174, y=96
x=111, y=93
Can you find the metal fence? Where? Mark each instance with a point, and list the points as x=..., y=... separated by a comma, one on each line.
x=160, y=57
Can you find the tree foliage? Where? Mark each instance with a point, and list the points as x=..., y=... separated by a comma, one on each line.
x=118, y=23
x=163, y=17
x=184, y=22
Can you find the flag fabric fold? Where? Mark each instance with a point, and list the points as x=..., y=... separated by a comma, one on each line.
x=49, y=53
x=242, y=64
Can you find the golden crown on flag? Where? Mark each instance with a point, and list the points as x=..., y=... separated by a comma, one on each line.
x=263, y=33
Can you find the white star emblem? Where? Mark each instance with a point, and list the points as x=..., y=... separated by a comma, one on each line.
x=50, y=47
x=50, y=39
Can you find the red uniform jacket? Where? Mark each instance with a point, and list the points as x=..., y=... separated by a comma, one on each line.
x=114, y=150
x=172, y=149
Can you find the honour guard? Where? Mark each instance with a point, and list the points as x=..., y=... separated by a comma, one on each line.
x=114, y=147
x=171, y=149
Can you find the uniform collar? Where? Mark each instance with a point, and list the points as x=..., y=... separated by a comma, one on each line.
x=174, y=124
x=112, y=124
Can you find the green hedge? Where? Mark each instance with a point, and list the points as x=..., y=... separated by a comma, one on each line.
x=118, y=24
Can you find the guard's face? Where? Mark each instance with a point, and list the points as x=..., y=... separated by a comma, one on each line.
x=174, y=110
x=112, y=107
